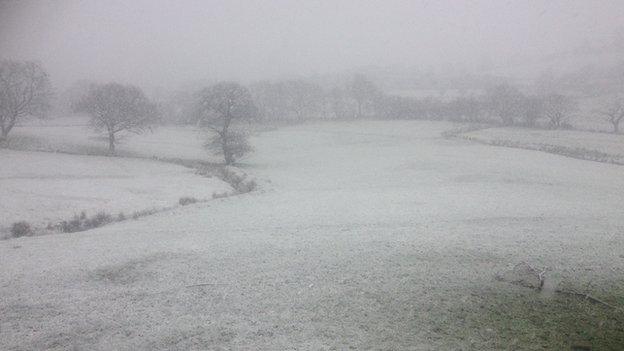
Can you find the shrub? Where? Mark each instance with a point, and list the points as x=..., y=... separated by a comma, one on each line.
x=143, y=213
x=73, y=225
x=21, y=228
x=220, y=196
x=238, y=180
x=100, y=219
x=121, y=217
x=248, y=186
x=83, y=222
x=187, y=200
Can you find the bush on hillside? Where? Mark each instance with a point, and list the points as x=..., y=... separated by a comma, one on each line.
x=21, y=228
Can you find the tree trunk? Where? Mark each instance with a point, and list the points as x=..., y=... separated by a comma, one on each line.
x=4, y=131
x=111, y=144
x=227, y=155
x=229, y=160
x=359, y=113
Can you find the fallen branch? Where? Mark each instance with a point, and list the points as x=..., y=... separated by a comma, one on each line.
x=586, y=297
x=541, y=278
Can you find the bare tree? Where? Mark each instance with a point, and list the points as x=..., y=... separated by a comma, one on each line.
x=296, y=99
x=614, y=112
x=219, y=106
x=557, y=108
x=115, y=108
x=25, y=90
x=66, y=99
x=505, y=102
x=337, y=102
x=177, y=106
x=304, y=99
x=466, y=108
x=364, y=92
x=268, y=99
x=431, y=108
x=532, y=110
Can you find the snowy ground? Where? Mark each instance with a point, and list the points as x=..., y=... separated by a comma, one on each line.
x=603, y=143
x=370, y=235
x=73, y=135
x=42, y=188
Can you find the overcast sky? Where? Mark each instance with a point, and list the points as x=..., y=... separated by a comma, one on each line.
x=156, y=42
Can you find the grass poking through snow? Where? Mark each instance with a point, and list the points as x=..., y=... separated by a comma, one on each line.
x=512, y=317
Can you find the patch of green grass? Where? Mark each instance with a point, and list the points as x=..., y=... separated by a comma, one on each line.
x=515, y=318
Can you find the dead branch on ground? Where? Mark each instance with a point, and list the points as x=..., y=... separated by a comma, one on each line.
x=540, y=275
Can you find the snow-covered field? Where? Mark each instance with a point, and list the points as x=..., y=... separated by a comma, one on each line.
x=607, y=144
x=73, y=135
x=42, y=187
x=370, y=235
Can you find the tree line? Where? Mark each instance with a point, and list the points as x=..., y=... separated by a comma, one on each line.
x=223, y=108
x=25, y=90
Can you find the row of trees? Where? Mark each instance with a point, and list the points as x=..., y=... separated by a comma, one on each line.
x=515, y=108
x=504, y=104
x=221, y=108
x=25, y=90
x=299, y=100
x=288, y=100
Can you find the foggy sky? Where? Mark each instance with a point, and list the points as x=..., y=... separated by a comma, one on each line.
x=156, y=43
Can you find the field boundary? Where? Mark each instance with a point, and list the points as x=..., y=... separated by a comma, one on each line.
x=579, y=153
x=239, y=181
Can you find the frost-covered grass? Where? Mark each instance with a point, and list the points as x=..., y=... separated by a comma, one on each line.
x=42, y=188
x=511, y=318
x=602, y=147
x=371, y=235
